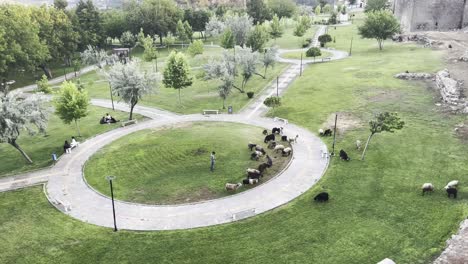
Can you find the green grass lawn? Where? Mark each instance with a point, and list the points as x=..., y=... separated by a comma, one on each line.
x=289, y=41
x=201, y=95
x=297, y=55
x=172, y=165
x=26, y=78
x=40, y=147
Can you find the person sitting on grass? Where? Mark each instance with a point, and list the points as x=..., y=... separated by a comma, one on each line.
x=103, y=121
x=66, y=147
x=74, y=143
x=110, y=119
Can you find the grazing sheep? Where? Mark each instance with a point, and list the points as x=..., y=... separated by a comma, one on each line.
x=286, y=152
x=269, y=161
x=321, y=132
x=452, y=191
x=254, y=175
x=344, y=155
x=249, y=170
x=278, y=148
x=327, y=133
x=284, y=138
x=427, y=187
x=251, y=146
x=259, y=153
x=260, y=148
x=358, y=144
x=270, y=137
x=254, y=156
x=249, y=181
x=232, y=186
x=321, y=197
x=265, y=132
x=277, y=130
x=262, y=167
x=452, y=184
x=293, y=140
x=272, y=145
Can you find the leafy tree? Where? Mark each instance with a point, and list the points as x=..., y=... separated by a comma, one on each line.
x=188, y=31
x=258, y=11
x=240, y=27
x=177, y=72
x=276, y=30
x=181, y=34
x=71, y=104
x=60, y=4
x=383, y=122
x=214, y=27
x=318, y=10
x=196, y=48
x=89, y=24
x=43, y=85
x=20, y=45
x=333, y=20
x=343, y=10
x=127, y=39
x=114, y=23
x=375, y=5
x=324, y=39
x=169, y=41
x=313, y=52
x=150, y=53
x=18, y=113
x=257, y=38
x=272, y=102
x=299, y=30
x=269, y=59
x=128, y=82
x=247, y=60
x=94, y=56
x=197, y=19
x=379, y=25
x=327, y=9
x=282, y=8
x=227, y=39
x=225, y=89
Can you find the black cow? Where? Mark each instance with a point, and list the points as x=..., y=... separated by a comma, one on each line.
x=327, y=133
x=276, y=130
x=452, y=192
x=251, y=146
x=284, y=138
x=344, y=155
x=254, y=175
x=321, y=197
x=269, y=161
x=270, y=137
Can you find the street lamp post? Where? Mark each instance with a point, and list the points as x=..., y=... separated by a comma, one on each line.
x=110, y=179
x=334, y=136
x=300, y=71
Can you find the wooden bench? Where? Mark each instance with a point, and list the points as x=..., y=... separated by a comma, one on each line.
x=129, y=122
x=281, y=119
x=326, y=59
x=207, y=112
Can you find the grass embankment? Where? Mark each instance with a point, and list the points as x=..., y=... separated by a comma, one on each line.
x=172, y=165
x=41, y=147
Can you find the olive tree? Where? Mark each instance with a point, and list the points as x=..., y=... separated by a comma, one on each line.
x=19, y=113
x=130, y=83
x=379, y=25
x=177, y=72
x=94, y=56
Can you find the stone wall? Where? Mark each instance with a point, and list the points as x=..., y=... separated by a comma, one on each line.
x=422, y=15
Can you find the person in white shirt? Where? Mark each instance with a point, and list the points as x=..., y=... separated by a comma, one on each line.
x=74, y=143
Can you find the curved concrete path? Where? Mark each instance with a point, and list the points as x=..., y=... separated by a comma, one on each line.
x=67, y=189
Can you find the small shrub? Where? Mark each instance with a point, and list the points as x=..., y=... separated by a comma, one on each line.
x=43, y=85
x=250, y=94
x=324, y=39
x=313, y=52
x=196, y=48
x=305, y=44
x=272, y=102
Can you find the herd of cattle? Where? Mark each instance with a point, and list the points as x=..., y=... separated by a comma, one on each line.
x=258, y=152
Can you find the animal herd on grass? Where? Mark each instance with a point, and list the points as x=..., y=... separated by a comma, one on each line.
x=253, y=176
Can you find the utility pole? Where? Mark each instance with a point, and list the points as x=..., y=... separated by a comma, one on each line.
x=334, y=136
x=110, y=179
x=351, y=47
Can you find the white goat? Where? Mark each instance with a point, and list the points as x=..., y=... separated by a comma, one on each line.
x=358, y=144
x=291, y=140
x=451, y=184
x=233, y=186
x=278, y=148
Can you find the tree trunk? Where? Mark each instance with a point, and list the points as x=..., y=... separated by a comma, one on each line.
x=380, y=44
x=180, y=102
x=16, y=146
x=365, y=148
x=77, y=128
x=131, y=110
x=224, y=100
x=160, y=40
x=46, y=71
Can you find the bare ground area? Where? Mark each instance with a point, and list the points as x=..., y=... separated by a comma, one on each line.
x=346, y=121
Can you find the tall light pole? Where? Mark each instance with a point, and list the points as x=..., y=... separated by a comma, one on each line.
x=300, y=71
x=334, y=136
x=351, y=47
x=110, y=179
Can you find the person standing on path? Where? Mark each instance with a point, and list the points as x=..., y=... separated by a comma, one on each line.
x=212, y=159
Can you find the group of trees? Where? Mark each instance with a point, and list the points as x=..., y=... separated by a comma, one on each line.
x=261, y=10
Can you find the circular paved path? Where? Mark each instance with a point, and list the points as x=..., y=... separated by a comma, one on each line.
x=68, y=189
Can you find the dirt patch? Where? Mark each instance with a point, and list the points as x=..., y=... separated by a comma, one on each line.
x=201, y=194
x=461, y=131
x=346, y=121
x=384, y=96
